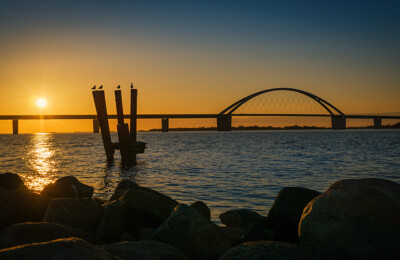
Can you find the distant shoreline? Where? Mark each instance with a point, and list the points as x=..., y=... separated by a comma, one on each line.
x=255, y=127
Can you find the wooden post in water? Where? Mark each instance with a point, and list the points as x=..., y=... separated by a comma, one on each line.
x=101, y=109
x=96, y=126
x=15, y=126
x=133, y=116
x=125, y=144
x=118, y=102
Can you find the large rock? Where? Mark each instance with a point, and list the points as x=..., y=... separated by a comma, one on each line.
x=235, y=234
x=60, y=249
x=68, y=187
x=202, y=209
x=241, y=218
x=189, y=231
x=268, y=250
x=82, y=213
x=144, y=250
x=122, y=188
x=21, y=205
x=113, y=222
x=126, y=185
x=354, y=219
x=10, y=180
x=36, y=232
x=257, y=232
x=284, y=215
x=146, y=207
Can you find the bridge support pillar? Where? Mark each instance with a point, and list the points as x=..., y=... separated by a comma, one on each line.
x=224, y=123
x=15, y=126
x=96, y=126
x=164, y=124
x=377, y=123
x=338, y=122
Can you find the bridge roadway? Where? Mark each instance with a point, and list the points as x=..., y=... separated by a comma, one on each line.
x=225, y=119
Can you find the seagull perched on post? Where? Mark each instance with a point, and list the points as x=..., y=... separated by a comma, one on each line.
x=101, y=87
x=131, y=85
x=118, y=87
x=94, y=87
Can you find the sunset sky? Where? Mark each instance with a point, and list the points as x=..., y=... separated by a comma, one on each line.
x=194, y=56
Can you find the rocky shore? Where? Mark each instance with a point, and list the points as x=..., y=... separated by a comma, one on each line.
x=352, y=219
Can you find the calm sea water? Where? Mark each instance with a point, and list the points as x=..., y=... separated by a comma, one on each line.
x=224, y=169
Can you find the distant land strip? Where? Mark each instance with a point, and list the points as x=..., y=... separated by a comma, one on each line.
x=255, y=127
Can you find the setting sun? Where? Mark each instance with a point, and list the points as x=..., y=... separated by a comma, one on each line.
x=41, y=102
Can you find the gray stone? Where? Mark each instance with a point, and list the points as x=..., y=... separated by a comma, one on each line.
x=257, y=232
x=202, y=208
x=241, y=218
x=117, y=194
x=122, y=188
x=144, y=250
x=284, y=215
x=84, y=213
x=113, y=222
x=270, y=250
x=126, y=236
x=189, y=231
x=36, y=232
x=354, y=219
x=60, y=249
x=68, y=187
x=146, y=208
x=10, y=180
x=21, y=205
x=126, y=185
x=235, y=234
x=145, y=233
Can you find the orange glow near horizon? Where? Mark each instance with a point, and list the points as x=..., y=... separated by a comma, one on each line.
x=192, y=64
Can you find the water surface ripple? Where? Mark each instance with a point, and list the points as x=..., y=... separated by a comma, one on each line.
x=224, y=169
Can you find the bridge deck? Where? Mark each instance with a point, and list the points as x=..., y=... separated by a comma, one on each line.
x=183, y=116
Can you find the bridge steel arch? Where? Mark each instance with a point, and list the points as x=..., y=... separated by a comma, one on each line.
x=224, y=120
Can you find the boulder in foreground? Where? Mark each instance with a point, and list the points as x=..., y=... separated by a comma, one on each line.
x=202, y=209
x=284, y=215
x=268, y=250
x=68, y=187
x=10, y=180
x=84, y=213
x=190, y=231
x=150, y=250
x=37, y=232
x=241, y=218
x=354, y=219
x=21, y=205
x=146, y=208
x=60, y=249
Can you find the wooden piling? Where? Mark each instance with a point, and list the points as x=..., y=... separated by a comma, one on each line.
x=96, y=126
x=133, y=116
x=118, y=102
x=15, y=126
x=128, y=155
x=101, y=109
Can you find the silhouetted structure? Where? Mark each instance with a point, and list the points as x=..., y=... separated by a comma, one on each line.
x=128, y=145
x=224, y=118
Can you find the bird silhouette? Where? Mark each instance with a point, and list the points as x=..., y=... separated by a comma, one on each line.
x=118, y=87
x=131, y=85
x=101, y=87
x=94, y=87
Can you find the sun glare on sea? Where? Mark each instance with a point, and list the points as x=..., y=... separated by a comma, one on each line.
x=41, y=102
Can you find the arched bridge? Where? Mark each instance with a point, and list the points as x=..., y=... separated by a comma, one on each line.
x=269, y=102
x=279, y=103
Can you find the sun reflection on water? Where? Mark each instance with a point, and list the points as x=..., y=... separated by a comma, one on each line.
x=41, y=160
